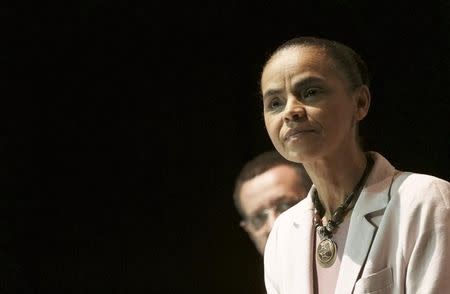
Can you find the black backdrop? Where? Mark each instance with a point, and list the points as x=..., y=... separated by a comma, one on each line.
x=123, y=126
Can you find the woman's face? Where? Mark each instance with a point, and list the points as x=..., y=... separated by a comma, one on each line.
x=310, y=112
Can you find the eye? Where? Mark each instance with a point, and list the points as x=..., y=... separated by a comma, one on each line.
x=258, y=220
x=310, y=92
x=274, y=103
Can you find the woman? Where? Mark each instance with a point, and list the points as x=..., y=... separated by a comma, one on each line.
x=365, y=227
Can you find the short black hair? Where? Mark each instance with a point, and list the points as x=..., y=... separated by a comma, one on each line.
x=259, y=165
x=350, y=62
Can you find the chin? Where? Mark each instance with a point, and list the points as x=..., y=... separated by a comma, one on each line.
x=294, y=155
x=301, y=155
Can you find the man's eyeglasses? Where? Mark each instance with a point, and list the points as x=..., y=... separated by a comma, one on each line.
x=258, y=220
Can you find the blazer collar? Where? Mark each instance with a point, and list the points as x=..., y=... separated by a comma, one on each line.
x=304, y=209
x=303, y=236
x=372, y=202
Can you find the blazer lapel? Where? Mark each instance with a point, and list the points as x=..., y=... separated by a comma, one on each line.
x=359, y=240
x=372, y=202
x=302, y=274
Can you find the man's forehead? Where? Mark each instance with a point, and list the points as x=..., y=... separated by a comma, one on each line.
x=277, y=183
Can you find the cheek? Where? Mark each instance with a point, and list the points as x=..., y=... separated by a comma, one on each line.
x=271, y=126
x=337, y=122
x=259, y=237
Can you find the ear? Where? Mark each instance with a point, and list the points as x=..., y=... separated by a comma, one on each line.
x=362, y=100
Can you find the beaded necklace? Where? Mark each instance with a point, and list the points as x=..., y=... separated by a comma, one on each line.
x=327, y=249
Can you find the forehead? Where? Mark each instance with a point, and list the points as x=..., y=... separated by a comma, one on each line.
x=298, y=60
x=281, y=182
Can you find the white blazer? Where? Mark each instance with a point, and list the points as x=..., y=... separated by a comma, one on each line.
x=398, y=239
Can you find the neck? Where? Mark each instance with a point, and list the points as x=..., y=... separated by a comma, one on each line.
x=335, y=177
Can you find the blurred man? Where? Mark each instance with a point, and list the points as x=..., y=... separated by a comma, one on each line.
x=266, y=186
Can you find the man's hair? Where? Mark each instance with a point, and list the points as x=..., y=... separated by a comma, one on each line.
x=352, y=65
x=259, y=165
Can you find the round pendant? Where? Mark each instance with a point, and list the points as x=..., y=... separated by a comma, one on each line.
x=326, y=252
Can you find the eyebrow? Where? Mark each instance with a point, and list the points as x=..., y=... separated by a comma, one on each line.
x=307, y=81
x=272, y=92
x=298, y=85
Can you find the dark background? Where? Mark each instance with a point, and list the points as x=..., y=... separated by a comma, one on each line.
x=124, y=125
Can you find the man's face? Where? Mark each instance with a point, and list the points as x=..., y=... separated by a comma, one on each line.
x=264, y=197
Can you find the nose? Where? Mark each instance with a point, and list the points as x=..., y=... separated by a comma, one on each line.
x=294, y=110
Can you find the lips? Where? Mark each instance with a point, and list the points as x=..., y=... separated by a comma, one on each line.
x=295, y=133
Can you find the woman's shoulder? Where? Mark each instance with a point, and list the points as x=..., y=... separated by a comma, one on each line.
x=422, y=189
